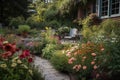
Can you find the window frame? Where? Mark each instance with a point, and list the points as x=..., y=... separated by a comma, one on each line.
x=109, y=9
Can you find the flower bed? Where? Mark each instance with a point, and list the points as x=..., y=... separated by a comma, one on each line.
x=15, y=64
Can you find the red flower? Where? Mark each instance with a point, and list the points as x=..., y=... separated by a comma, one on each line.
x=10, y=47
x=25, y=53
x=7, y=54
x=30, y=59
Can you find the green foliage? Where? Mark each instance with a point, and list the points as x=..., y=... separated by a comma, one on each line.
x=23, y=28
x=36, y=74
x=60, y=61
x=63, y=30
x=110, y=27
x=54, y=24
x=17, y=21
x=47, y=52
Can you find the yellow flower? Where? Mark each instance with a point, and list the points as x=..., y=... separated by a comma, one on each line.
x=19, y=61
x=3, y=65
x=14, y=59
x=46, y=28
x=13, y=65
x=23, y=65
x=30, y=71
x=5, y=42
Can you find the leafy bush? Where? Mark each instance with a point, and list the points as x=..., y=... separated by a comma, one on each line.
x=60, y=61
x=17, y=21
x=54, y=24
x=23, y=28
x=110, y=28
x=47, y=52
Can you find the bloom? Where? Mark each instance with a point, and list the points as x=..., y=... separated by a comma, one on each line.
x=6, y=54
x=93, y=54
x=30, y=59
x=3, y=65
x=102, y=49
x=25, y=53
x=93, y=62
x=84, y=67
x=70, y=61
x=30, y=71
x=13, y=65
x=19, y=61
x=95, y=67
x=77, y=67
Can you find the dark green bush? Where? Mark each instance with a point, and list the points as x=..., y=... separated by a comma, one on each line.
x=54, y=24
x=17, y=21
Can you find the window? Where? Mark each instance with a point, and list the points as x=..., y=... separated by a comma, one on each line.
x=115, y=6
x=104, y=8
x=108, y=8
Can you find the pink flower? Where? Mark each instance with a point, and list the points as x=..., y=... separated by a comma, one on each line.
x=97, y=75
x=77, y=67
x=102, y=49
x=95, y=67
x=84, y=67
x=93, y=54
x=84, y=57
x=70, y=61
x=68, y=54
x=93, y=62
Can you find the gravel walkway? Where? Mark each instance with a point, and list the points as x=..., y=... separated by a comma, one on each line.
x=47, y=70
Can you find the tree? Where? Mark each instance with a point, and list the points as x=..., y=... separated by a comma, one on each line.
x=13, y=8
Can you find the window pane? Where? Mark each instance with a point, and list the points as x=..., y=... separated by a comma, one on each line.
x=104, y=9
x=115, y=7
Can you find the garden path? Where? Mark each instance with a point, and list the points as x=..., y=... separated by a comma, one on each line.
x=47, y=70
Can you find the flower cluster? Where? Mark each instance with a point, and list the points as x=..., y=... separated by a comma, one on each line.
x=85, y=58
x=14, y=61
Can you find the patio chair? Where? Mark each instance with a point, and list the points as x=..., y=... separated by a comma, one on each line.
x=72, y=35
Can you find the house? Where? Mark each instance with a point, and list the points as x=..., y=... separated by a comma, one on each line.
x=103, y=8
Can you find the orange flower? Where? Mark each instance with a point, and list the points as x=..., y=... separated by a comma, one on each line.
x=84, y=67
x=93, y=54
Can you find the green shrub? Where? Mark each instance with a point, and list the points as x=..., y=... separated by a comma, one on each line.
x=47, y=52
x=36, y=74
x=112, y=65
x=17, y=21
x=60, y=61
x=110, y=28
x=54, y=24
x=23, y=28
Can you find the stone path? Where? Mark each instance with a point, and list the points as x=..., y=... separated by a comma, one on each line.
x=47, y=70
